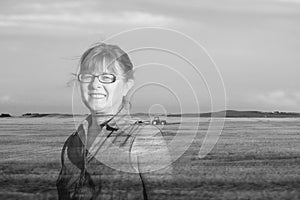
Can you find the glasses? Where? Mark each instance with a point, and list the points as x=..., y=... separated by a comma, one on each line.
x=103, y=78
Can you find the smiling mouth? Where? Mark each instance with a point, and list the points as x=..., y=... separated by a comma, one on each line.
x=97, y=95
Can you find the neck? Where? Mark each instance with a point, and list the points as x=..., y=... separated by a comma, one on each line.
x=102, y=117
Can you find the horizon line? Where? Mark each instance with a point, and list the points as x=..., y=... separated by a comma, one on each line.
x=188, y=113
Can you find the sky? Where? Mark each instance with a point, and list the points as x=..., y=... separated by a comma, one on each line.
x=248, y=57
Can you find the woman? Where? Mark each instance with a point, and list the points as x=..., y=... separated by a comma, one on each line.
x=110, y=156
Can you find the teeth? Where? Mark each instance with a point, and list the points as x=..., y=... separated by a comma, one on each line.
x=98, y=95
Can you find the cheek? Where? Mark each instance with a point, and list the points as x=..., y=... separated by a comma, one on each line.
x=84, y=91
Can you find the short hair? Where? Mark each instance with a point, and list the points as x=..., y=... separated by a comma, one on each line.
x=112, y=56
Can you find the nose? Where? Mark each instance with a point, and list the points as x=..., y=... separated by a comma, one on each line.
x=96, y=84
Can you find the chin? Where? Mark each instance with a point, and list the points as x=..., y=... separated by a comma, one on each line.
x=97, y=109
x=94, y=108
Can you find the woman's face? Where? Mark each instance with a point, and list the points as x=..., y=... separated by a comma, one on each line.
x=104, y=97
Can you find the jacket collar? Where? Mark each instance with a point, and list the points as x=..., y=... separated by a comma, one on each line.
x=113, y=122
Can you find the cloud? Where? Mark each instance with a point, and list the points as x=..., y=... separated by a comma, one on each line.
x=290, y=1
x=280, y=98
x=121, y=18
x=38, y=6
x=6, y=99
x=35, y=14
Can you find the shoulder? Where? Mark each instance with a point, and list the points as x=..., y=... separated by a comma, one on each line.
x=73, y=141
x=73, y=150
x=149, y=150
x=147, y=136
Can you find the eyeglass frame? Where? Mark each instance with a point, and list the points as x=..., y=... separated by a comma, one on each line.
x=94, y=76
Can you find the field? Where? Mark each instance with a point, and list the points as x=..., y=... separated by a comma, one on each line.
x=253, y=159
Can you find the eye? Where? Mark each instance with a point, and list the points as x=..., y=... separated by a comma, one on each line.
x=107, y=78
x=85, y=78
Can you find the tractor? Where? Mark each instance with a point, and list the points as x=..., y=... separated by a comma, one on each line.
x=157, y=121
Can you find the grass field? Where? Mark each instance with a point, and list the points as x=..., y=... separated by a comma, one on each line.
x=253, y=159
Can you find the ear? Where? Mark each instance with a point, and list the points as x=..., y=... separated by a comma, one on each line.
x=128, y=85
